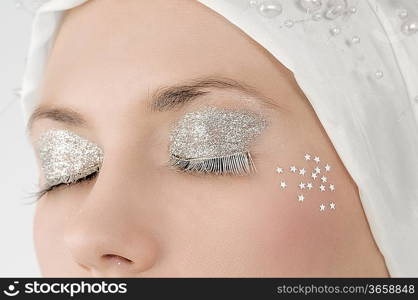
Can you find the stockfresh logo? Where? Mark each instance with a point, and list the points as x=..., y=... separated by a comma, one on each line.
x=12, y=289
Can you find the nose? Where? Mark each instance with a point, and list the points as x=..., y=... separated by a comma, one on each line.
x=106, y=239
x=105, y=252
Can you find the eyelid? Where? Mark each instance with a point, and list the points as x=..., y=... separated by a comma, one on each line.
x=66, y=157
x=214, y=135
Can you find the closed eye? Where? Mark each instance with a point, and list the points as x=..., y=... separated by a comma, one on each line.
x=236, y=164
x=46, y=190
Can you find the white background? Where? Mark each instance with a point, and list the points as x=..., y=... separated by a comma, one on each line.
x=18, y=172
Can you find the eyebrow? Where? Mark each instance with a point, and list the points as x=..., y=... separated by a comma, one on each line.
x=63, y=115
x=164, y=98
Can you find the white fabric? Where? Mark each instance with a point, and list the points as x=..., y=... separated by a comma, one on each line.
x=371, y=122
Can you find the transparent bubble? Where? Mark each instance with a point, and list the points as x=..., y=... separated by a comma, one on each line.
x=270, y=8
x=410, y=27
x=310, y=5
x=378, y=74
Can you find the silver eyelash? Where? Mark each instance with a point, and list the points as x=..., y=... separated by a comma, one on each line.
x=235, y=164
x=72, y=178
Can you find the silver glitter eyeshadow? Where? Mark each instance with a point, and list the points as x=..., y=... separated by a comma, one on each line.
x=66, y=157
x=215, y=132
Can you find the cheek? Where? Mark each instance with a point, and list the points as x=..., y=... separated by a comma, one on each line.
x=44, y=235
x=275, y=230
x=256, y=227
x=49, y=221
x=272, y=226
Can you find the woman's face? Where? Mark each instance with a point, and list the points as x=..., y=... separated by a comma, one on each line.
x=122, y=75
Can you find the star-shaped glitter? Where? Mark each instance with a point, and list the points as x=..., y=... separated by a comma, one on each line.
x=279, y=170
x=327, y=168
x=332, y=205
x=302, y=171
x=322, y=188
x=331, y=187
x=307, y=156
x=324, y=179
x=301, y=198
x=316, y=159
x=283, y=184
x=293, y=169
x=317, y=170
x=313, y=175
x=301, y=185
x=322, y=207
x=309, y=185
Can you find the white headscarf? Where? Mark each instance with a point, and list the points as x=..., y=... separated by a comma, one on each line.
x=357, y=63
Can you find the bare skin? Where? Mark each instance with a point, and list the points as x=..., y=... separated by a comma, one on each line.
x=140, y=218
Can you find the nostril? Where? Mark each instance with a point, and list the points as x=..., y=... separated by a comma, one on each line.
x=117, y=259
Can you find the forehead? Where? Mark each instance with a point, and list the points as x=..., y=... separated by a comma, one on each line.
x=118, y=52
x=144, y=41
